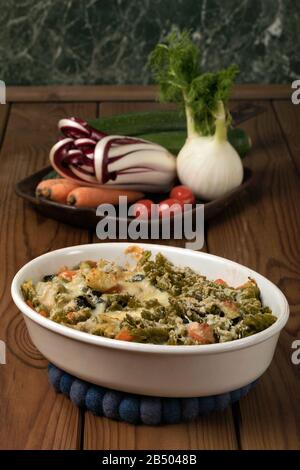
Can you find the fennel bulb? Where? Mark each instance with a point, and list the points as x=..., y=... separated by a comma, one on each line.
x=208, y=167
x=207, y=162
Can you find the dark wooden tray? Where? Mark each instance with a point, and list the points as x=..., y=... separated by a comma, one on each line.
x=87, y=218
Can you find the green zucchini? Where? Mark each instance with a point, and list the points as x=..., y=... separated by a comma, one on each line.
x=167, y=128
x=134, y=124
x=240, y=140
x=174, y=140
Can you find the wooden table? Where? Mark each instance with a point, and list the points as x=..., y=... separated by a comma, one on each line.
x=261, y=230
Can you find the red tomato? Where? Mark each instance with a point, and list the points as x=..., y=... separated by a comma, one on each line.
x=164, y=207
x=183, y=194
x=142, y=208
x=221, y=282
x=201, y=332
x=124, y=335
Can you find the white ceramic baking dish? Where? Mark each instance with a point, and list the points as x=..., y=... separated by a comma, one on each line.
x=158, y=370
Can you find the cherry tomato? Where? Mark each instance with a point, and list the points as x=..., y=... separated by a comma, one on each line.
x=142, y=208
x=164, y=207
x=183, y=194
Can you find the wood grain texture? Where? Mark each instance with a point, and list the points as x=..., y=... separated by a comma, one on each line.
x=111, y=108
x=261, y=230
x=32, y=416
x=4, y=111
x=288, y=116
x=128, y=93
x=215, y=432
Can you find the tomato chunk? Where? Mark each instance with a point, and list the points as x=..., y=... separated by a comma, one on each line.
x=124, y=335
x=67, y=275
x=201, y=332
x=221, y=282
x=43, y=313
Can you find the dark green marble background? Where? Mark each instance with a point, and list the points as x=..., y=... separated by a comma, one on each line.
x=108, y=41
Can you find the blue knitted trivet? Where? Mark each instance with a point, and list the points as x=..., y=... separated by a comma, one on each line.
x=138, y=409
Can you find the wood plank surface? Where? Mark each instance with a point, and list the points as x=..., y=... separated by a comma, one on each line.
x=217, y=431
x=129, y=93
x=261, y=230
x=4, y=111
x=288, y=116
x=31, y=415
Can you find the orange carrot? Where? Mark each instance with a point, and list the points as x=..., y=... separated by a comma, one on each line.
x=56, y=189
x=59, y=192
x=93, y=197
x=30, y=304
x=43, y=188
x=124, y=335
